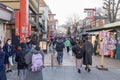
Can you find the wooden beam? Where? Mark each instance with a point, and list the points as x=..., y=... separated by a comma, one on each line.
x=12, y=4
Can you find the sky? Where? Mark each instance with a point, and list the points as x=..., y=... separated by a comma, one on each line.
x=66, y=8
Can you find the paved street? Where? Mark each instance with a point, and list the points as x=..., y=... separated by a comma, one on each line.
x=44, y=24
x=68, y=71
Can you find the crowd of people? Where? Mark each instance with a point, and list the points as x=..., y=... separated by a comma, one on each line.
x=29, y=58
x=82, y=49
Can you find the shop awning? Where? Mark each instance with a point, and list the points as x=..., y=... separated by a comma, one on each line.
x=104, y=27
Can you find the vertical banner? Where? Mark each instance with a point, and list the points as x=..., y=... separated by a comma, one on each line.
x=29, y=29
x=17, y=23
x=23, y=19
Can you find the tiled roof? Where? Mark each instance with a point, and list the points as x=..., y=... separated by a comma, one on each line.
x=42, y=3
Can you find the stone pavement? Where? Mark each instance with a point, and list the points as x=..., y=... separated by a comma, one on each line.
x=70, y=73
x=69, y=60
x=68, y=70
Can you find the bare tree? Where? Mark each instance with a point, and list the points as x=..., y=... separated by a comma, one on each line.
x=112, y=7
x=100, y=12
x=73, y=21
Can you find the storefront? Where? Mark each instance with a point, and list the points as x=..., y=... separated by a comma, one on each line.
x=5, y=18
x=108, y=42
x=109, y=38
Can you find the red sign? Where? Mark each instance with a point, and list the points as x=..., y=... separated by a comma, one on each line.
x=23, y=19
x=17, y=25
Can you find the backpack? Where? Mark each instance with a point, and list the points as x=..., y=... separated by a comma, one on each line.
x=37, y=62
x=22, y=58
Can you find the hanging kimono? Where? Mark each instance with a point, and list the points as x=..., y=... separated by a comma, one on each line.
x=103, y=48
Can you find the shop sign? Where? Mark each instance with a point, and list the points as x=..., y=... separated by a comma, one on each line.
x=23, y=19
x=17, y=23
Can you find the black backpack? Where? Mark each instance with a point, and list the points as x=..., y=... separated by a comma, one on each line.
x=22, y=58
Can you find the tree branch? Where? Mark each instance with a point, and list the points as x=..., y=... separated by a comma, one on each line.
x=117, y=8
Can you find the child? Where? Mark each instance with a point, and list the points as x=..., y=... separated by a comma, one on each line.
x=2, y=67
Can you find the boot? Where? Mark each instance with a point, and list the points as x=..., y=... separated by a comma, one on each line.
x=79, y=71
x=89, y=69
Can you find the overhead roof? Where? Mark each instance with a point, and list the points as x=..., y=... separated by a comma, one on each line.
x=104, y=27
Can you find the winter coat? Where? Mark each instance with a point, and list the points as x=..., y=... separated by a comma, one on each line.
x=28, y=46
x=72, y=41
x=87, y=57
x=2, y=58
x=32, y=75
x=67, y=43
x=9, y=51
x=59, y=46
x=18, y=53
x=76, y=49
x=2, y=66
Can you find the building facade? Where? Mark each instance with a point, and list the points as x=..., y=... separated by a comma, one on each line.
x=6, y=14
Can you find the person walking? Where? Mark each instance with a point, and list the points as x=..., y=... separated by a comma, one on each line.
x=20, y=59
x=59, y=48
x=95, y=46
x=28, y=43
x=87, y=57
x=9, y=53
x=32, y=72
x=73, y=43
x=67, y=44
x=2, y=67
x=79, y=51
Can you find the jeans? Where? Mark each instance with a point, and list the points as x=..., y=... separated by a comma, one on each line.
x=60, y=57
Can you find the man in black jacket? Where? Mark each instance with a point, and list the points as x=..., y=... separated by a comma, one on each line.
x=59, y=48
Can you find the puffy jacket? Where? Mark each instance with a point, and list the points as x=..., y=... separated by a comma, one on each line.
x=59, y=46
x=2, y=58
x=79, y=52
